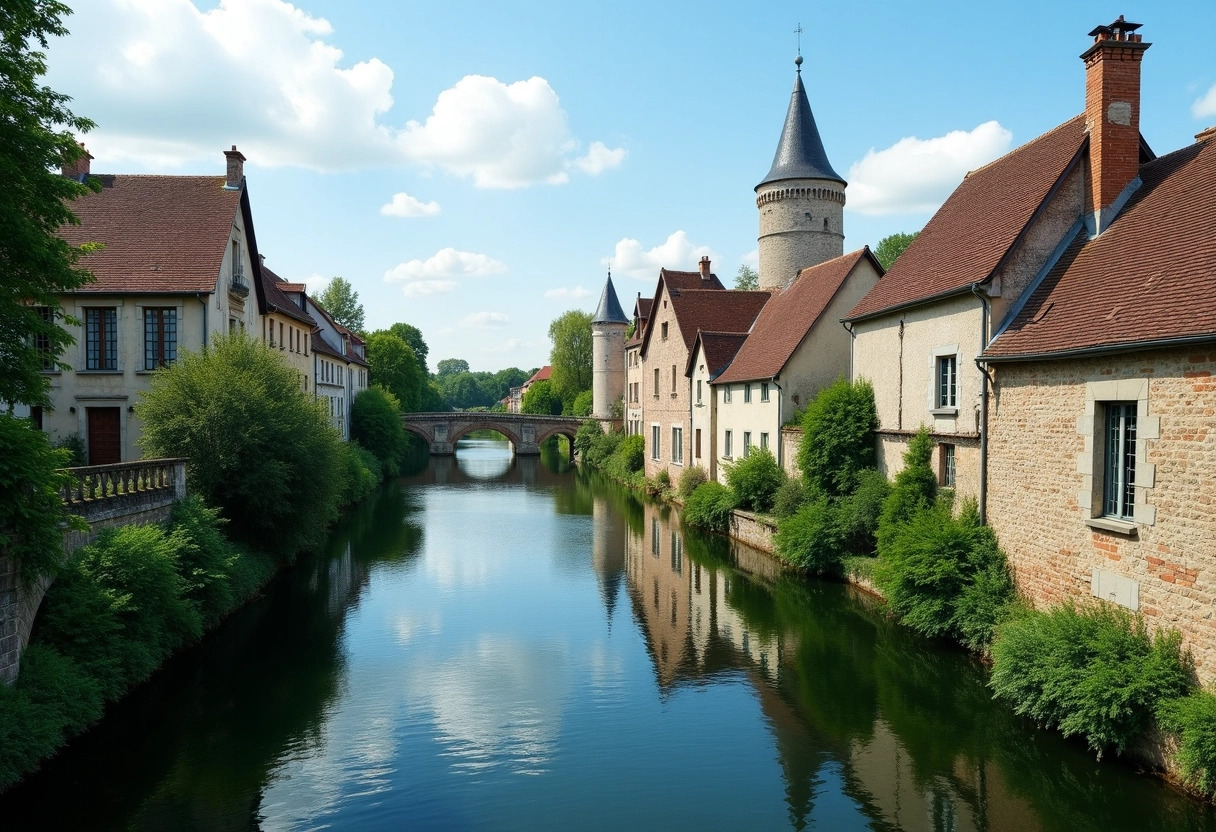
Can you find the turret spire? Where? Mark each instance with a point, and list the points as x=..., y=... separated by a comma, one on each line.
x=800, y=153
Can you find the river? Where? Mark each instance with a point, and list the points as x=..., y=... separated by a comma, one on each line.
x=507, y=644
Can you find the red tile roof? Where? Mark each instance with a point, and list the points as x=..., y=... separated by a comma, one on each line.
x=161, y=233
x=715, y=310
x=719, y=348
x=540, y=375
x=293, y=287
x=277, y=301
x=1150, y=277
x=789, y=315
x=970, y=234
x=686, y=280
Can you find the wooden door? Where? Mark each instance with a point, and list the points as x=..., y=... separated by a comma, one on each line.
x=105, y=442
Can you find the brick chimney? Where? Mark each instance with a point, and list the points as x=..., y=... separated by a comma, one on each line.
x=704, y=264
x=79, y=169
x=1112, y=117
x=236, y=168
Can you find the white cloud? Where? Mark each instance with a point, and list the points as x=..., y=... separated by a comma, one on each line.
x=509, y=345
x=570, y=293
x=676, y=252
x=1205, y=105
x=170, y=85
x=404, y=205
x=316, y=283
x=916, y=175
x=438, y=274
x=752, y=258
x=484, y=320
x=600, y=158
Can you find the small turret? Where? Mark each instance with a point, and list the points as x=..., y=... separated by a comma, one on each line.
x=608, y=327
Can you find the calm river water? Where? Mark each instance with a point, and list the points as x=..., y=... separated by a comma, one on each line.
x=501, y=644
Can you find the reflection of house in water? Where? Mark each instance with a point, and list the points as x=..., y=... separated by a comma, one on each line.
x=607, y=551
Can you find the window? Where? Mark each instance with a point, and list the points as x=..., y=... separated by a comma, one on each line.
x=673, y=379
x=764, y=441
x=654, y=442
x=1119, y=461
x=747, y=443
x=656, y=382
x=42, y=342
x=696, y=439
x=160, y=337
x=747, y=393
x=726, y=394
x=282, y=343
x=663, y=331
x=677, y=445
x=698, y=391
x=726, y=444
x=946, y=476
x=947, y=381
x=764, y=391
x=101, y=338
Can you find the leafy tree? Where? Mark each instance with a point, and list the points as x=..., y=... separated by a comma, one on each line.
x=838, y=437
x=451, y=366
x=463, y=390
x=747, y=278
x=341, y=301
x=412, y=336
x=583, y=403
x=260, y=449
x=755, y=479
x=890, y=247
x=540, y=400
x=36, y=139
x=571, y=354
x=375, y=423
x=394, y=367
x=915, y=489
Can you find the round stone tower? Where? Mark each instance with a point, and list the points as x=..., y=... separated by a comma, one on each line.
x=801, y=200
x=607, y=354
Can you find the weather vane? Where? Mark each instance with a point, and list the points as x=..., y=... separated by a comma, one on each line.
x=798, y=60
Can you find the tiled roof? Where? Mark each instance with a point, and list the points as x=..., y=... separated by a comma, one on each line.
x=1150, y=277
x=642, y=307
x=970, y=234
x=715, y=310
x=293, y=287
x=320, y=345
x=789, y=316
x=276, y=301
x=540, y=375
x=719, y=348
x=686, y=280
x=161, y=233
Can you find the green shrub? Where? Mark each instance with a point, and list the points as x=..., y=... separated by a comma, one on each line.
x=861, y=510
x=583, y=403
x=1193, y=720
x=755, y=479
x=838, y=437
x=360, y=472
x=709, y=507
x=31, y=509
x=74, y=445
x=602, y=447
x=205, y=558
x=915, y=489
x=1093, y=671
x=659, y=484
x=690, y=478
x=587, y=433
x=540, y=399
x=260, y=449
x=375, y=423
x=632, y=453
x=811, y=538
x=791, y=496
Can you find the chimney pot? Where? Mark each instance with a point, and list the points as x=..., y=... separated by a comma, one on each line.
x=1206, y=134
x=79, y=169
x=236, y=168
x=704, y=264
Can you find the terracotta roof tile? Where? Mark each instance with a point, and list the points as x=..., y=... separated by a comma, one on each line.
x=715, y=310
x=1151, y=276
x=540, y=375
x=720, y=349
x=293, y=287
x=686, y=280
x=789, y=316
x=277, y=301
x=977, y=225
x=161, y=233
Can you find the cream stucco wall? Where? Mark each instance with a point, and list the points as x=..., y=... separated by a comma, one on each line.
x=757, y=418
x=704, y=409
x=634, y=389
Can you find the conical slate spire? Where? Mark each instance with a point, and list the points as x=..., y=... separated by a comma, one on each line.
x=800, y=153
x=609, y=311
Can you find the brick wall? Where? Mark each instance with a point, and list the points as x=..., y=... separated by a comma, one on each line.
x=1038, y=446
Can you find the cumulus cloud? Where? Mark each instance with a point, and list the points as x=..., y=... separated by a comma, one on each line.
x=438, y=274
x=568, y=293
x=484, y=320
x=404, y=205
x=171, y=84
x=676, y=252
x=916, y=175
x=316, y=283
x=1205, y=105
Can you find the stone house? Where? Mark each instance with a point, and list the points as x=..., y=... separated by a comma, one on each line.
x=178, y=267
x=285, y=326
x=633, y=367
x=685, y=303
x=795, y=348
x=340, y=363
x=711, y=353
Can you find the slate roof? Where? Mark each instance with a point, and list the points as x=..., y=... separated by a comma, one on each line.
x=609, y=311
x=789, y=315
x=719, y=348
x=975, y=228
x=161, y=233
x=800, y=153
x=277, y=301
x=1149, y=278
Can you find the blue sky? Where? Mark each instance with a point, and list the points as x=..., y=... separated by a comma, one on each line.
x=473, y=168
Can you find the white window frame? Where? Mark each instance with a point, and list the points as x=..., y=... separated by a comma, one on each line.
x=764, y=391
x=764, y=441
x=656, y=437
x=747, y=443
x=727, y=444
x=747, y=392
x=936, y=405
x=677, y=444
x=726, y=394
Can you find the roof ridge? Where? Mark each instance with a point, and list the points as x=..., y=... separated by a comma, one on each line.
x=1024, y=145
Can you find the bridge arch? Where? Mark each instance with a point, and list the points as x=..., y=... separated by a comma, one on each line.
x=525, y=431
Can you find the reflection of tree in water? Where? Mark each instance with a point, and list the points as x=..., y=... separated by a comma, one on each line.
x=201, y=738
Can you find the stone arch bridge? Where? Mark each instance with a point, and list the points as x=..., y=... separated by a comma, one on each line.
x=526, y=431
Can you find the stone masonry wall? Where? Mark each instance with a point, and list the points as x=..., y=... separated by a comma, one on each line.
x=1038, y=446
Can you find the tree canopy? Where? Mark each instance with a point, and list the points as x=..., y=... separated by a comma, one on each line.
x=412, y=336
x=341, y=301
x=747, y=278
x=571, y=354
x=541, y=400
x=36, y=140
x=394, y=367
x=451, y=366
x=890, y=247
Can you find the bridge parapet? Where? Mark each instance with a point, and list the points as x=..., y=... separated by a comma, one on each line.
x=525, y=431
